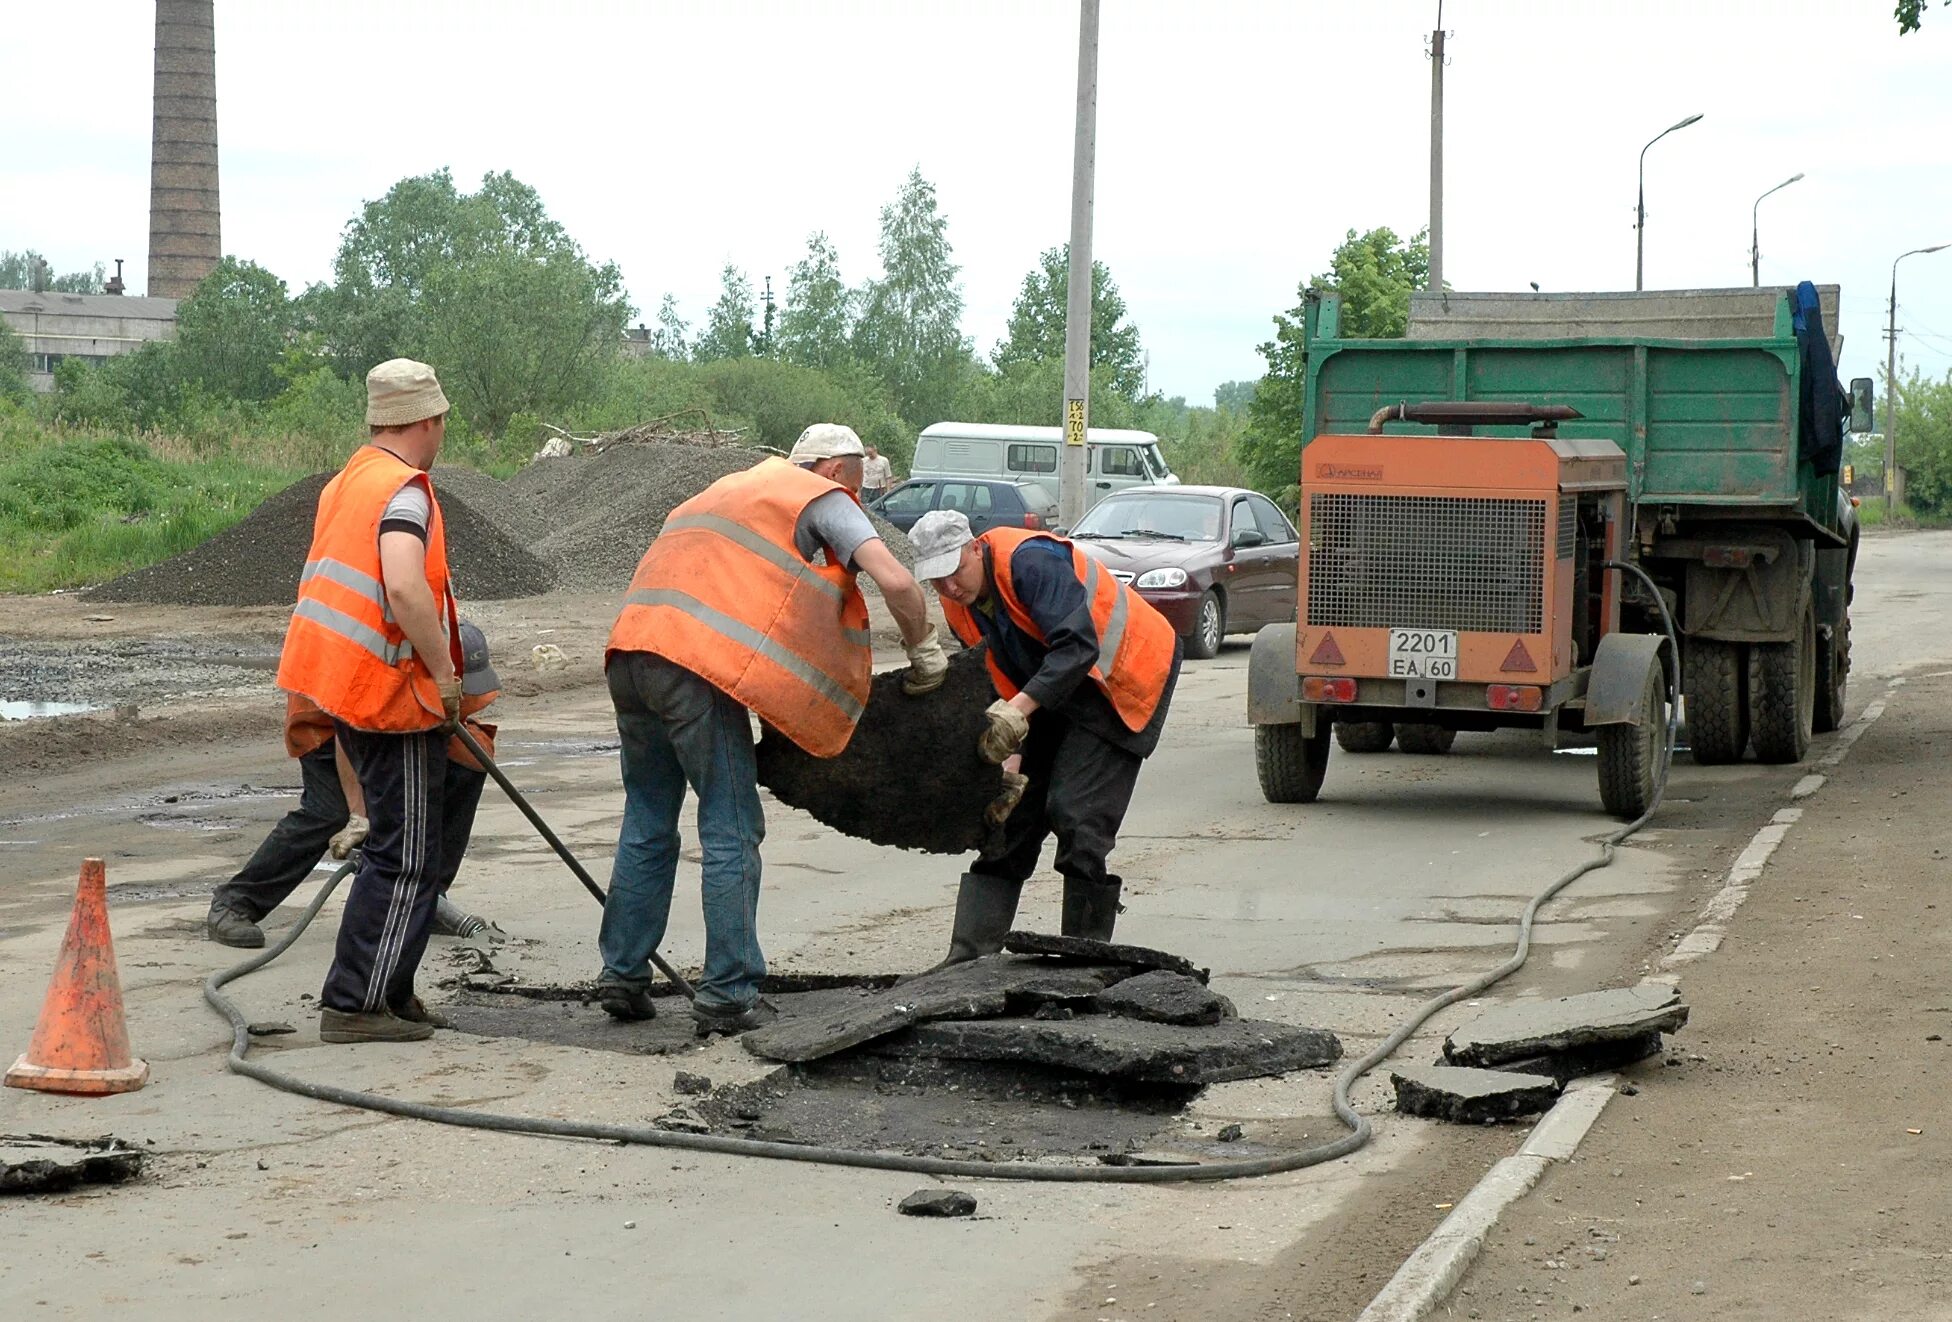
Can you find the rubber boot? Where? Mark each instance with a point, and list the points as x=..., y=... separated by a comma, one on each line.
x=985, y=908
x=1091, y=909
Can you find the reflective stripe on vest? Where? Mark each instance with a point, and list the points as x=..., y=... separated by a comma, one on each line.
x=343, y=650
x=1135, y=643
x=724, y=592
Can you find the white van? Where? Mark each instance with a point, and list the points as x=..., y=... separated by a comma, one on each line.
x=1114, y=458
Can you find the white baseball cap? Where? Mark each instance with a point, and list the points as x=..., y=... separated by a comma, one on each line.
x=939, y=537
x=826, y=440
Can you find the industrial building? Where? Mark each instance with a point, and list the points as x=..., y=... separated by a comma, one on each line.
x=92, y=327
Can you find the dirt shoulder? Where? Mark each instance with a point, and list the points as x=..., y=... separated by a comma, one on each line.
x=1790, y=1156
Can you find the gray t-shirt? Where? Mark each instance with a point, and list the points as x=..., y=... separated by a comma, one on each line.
x=835, y=523
x=408, y=511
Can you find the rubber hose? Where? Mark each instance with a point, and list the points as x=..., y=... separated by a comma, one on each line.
x=645, y=1136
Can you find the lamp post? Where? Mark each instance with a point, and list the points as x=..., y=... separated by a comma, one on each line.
x=1755, y=232
x=1891, y=492
x=1640, y=209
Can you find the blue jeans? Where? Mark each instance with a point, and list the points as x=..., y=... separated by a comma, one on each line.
x=677, y=729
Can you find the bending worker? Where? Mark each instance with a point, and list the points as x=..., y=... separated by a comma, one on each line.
x=745, y=602
x=374, y=644
x=1085, y=668
x=331, y=813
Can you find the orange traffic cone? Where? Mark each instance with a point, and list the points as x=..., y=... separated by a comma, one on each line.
x=81, y=1044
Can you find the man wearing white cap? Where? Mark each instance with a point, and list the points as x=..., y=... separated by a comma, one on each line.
x=1084, y=669
x=745, y=602
x=374, y=644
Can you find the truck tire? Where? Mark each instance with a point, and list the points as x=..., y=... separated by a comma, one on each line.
x=1782, y=694
x=1420, y=738
x=1832, y=673
x=1630, y=755
x=1209, y=627
x=1290, y=764
x=1365, y=736
x=1718, y=701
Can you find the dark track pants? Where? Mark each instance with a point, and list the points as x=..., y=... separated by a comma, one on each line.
x=390, y=907
x=297, y=843
x=1080, y=787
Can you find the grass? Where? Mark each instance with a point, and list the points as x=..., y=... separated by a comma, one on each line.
x=80, y=506
x=1871, y=513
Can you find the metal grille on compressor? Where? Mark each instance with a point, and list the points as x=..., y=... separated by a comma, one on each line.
x=1426, y=562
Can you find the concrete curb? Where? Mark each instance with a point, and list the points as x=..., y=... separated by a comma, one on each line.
x=1428, y=1275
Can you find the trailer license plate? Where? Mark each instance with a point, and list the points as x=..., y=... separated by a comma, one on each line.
x=1423, y=653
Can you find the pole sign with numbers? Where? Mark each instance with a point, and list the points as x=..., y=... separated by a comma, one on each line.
x=1074, y=422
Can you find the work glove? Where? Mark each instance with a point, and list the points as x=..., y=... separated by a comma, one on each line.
x=1004, y=733
x=1006, y=801
x=928, y=665
x=349, y=837
x=450, y=702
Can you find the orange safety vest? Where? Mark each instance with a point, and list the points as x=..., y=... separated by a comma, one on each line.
x=343, y=650
x=1135, y=643
x=724, y=593
x=307, y=728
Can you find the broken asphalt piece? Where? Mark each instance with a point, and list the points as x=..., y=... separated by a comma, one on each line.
x=692, y=1085
x=41, y=1163
x=1165, y=998
x=976, y=989
x=937, y=1202
x=1470, y=1096
x=1083, y=950
x=270, y=1028
x=1130, y=1049
x=1231, y=1134
x=1598, y=1058
x=909, y=776
x=680, y=1120
x=1533, y=1028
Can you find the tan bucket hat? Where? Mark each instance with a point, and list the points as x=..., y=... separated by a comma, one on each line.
x=400, y=392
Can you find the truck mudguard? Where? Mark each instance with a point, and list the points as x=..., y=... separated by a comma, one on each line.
x=1273, y=682
x=1616, y=693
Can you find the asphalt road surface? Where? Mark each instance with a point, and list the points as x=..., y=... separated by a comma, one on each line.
x=1404, y=878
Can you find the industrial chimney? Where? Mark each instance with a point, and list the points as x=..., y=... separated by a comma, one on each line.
x=184, y=239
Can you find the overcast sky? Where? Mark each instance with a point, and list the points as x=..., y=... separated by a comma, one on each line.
x=1237, y=142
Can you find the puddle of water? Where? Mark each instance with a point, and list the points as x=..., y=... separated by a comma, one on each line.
x=14, y=709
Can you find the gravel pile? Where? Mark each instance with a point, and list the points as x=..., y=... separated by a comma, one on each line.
x=256, y=561
x=579, y=523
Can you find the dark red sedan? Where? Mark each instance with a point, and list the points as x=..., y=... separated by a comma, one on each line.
x=1214, y=560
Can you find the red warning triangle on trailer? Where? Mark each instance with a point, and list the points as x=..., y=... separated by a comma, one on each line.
x=1327, y=653
x=1518, y=658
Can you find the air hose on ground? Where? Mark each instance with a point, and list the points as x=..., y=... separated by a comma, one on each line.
x=646, y=1136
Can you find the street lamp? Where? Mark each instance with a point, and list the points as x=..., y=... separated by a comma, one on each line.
x=1755, y=234
x=1640, y=210
x=1891, y=386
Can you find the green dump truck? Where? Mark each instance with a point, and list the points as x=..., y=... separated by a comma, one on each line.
x=1730, y=503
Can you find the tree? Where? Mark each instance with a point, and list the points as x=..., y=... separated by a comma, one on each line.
x=728, y=325
x=27, y=269
x=1234, y=396
x=1037, y=319
x=232, y=333
x=668, y=340
x=13, y=365
x=1925, y=441
x=1375, y=274
x=814, y=327
x=910, y=329
x=485, y=286
x=1910, y=13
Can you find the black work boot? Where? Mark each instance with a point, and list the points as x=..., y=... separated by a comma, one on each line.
x=232, y=927
x=1091, y=909
x=985, y=908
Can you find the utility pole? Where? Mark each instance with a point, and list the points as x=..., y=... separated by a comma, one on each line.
x=1437, y=152
x=1077, y=303
x=766, y=339
x=1893, y=489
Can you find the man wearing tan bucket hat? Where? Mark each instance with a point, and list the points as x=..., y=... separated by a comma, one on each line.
x=374, y=643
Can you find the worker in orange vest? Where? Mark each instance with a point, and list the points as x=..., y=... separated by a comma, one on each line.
x=1084, y=668
x=374, y=643
x=331, y=814
x=745, y=602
